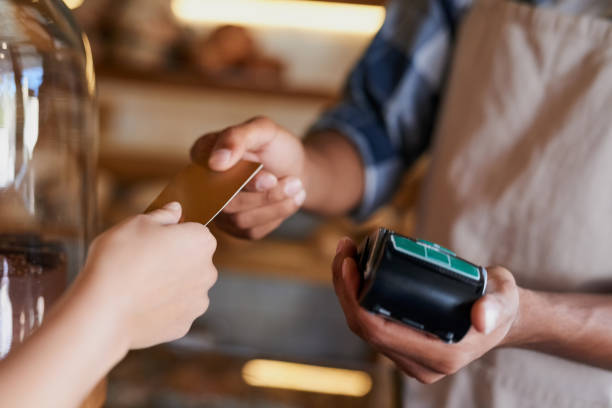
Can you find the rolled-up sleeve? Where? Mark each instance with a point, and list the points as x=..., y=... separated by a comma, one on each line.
x=392, y=95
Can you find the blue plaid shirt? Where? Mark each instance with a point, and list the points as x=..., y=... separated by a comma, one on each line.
x=392, y=96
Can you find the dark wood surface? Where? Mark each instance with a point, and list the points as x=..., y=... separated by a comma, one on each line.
x=166, y=377
x=192, y=78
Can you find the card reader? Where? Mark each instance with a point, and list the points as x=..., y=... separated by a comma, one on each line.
x=419, y=283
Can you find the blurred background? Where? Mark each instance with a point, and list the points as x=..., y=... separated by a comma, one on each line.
x=169, y=71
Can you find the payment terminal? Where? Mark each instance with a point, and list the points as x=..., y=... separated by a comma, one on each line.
x=419, y=283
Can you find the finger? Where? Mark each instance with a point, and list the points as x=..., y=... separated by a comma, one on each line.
x=498, y=305
x=263, y=181
x=346, y=286
x=346, y=248
x=432, y=366
x=254, y=233
x=246, y=201
x=263, y=230
x=233, y=142
x=249, y=219
x=386, y=336
x=351, y=280
x=201, y=149
x=289, y=187
x=413, y=368
x=372, y=327
x=167, y=215
x=200, y=232
x=382, y=333
x=389, y=335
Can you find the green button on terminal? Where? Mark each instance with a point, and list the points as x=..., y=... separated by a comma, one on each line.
x=408, y=246
x=435, y=253
x=436, y=246
x=465, y=268
x=437, y=256
x=428, y=243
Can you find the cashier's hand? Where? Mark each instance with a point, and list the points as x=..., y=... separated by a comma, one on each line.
x=151, y=275
x=275, y=193
x=419, y=355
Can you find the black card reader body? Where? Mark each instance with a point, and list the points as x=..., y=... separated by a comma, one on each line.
x=419, y=283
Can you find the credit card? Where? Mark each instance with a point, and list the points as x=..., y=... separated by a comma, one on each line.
x=202, y=192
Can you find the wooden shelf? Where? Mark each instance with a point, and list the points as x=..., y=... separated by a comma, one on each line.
x=366, y=2
x=193, y=79
x=132, y=167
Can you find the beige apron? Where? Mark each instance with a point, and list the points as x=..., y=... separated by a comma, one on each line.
x=522, y=177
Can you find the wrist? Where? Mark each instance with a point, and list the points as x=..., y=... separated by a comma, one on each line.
x=524, y=328
x=333, y=174
x=312, y=161
x=92, y=300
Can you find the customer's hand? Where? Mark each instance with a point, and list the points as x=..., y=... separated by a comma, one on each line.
x=275, y=193
x=152, y=275
x=419, y=355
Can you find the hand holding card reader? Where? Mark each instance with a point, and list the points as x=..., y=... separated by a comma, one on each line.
x=419, y=283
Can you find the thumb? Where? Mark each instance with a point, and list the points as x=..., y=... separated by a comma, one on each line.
x=351, y=279
x=346, y=249
x=167, y=215
x=346, y=276
x=498, y=305
x=240, y=142
x=202, y=148
x=486, y=314
x=347, y=286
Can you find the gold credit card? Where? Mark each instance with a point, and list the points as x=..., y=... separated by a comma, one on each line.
x=203, y=193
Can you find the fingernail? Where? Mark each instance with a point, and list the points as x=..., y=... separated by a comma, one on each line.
x=345, y=268
x=340, y=245
x=173, y=206
x=266, y=182
x=293, y=187
x=491, y=316
x=300, y=198
x=220, y=157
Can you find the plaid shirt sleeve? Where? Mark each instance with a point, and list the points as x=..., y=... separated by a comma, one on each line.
x=391, y=97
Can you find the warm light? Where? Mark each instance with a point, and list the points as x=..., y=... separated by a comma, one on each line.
x=301, y=377
x=73, y=3
x=314, y=15
x=89, y=67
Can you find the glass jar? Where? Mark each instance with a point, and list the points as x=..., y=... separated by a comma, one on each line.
x=48, y=133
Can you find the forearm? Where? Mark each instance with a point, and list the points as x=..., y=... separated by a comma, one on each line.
x=573, y=326
x=57, y=367
x=333, y=174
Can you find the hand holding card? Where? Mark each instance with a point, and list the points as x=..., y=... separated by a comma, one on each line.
x=276, y=193
x=202, y=192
